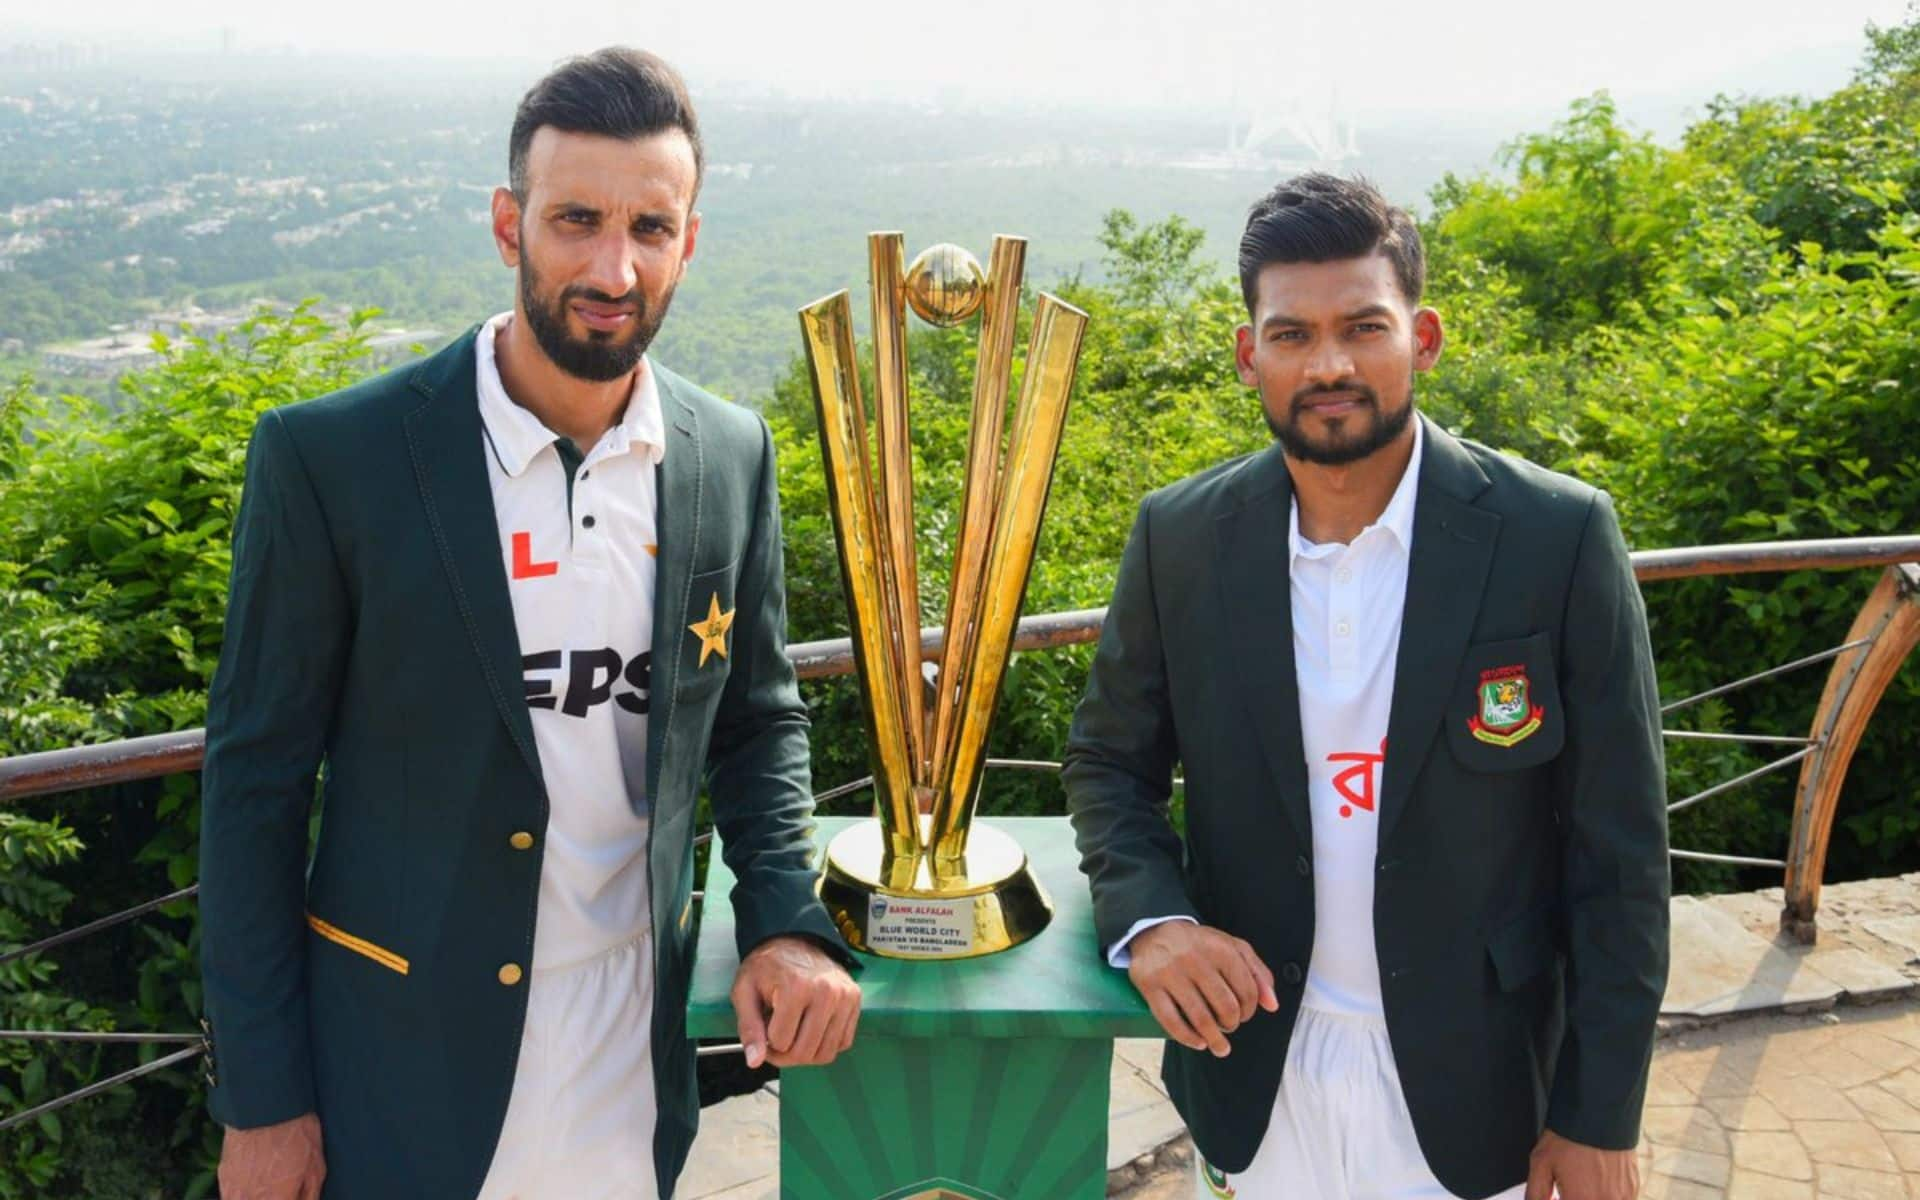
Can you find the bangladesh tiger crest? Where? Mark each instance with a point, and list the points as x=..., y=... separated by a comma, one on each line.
x=1508, y=715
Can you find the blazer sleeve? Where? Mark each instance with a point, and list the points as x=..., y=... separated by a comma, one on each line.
x=288, y=624
x=1118, y=766
x=759, y=780
x=1611, y=802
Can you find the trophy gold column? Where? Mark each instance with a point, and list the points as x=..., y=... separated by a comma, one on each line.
x=922, y=880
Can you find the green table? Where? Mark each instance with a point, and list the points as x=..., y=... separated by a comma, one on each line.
x=983, y=1078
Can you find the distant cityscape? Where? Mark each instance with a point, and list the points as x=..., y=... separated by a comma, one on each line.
x=131, y=346
x=143, y=194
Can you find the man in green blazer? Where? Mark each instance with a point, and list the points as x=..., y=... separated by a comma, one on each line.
x=522, y=601
x=1414, y=938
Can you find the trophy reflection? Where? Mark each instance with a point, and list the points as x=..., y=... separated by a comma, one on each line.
x=923, y=880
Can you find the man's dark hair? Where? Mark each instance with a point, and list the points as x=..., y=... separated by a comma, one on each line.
x=616, y=92
x=1318, y=218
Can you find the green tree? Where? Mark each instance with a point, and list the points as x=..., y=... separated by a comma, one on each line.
x=1584, y=224
x=114, y=532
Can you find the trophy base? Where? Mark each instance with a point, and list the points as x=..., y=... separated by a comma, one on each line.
x=996, y=905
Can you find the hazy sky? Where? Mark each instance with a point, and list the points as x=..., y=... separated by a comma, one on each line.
x=1383, y=57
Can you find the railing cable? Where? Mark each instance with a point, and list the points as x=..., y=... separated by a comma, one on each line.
x=1737, y=860
x=845, y=789
x=81, y=931
x=82, y=1035
x=1757, y=739
x=94, y=1089
x=1737, y=780
x=1769, y=673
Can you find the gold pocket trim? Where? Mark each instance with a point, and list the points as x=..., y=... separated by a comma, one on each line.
x=339, y=936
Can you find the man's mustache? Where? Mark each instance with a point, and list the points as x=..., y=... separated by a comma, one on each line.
x=1301, y=397
x=632, y=299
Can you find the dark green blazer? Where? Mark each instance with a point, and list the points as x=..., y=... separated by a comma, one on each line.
x=369, y=629
x=1520, y=910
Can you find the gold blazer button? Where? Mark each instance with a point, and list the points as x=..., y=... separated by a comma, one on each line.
x=510, y=974
x=521, y=841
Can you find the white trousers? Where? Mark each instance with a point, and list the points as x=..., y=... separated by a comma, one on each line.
x=580, y=1122
x=1340, y=1128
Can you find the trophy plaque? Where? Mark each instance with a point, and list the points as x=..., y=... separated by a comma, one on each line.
x=922, y=879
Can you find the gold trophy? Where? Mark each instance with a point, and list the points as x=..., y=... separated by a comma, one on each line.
x=922, y=881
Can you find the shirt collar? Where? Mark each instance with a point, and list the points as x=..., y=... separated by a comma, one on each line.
x=518, y=436
x=1396, y=518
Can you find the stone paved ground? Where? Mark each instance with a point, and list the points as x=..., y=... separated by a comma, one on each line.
x=1788, y=1107
x=1779, y=1107
x=1801, y=1079
x=1779, y=1101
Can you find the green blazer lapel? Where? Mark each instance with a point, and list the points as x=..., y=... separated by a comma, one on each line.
x=677, y=484
x=1256, y=595
x=1453, y=543
x=447, y=442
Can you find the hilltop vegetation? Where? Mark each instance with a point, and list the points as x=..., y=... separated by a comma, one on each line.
x=1723, y=333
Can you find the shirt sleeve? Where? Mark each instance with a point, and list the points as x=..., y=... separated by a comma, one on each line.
x=1120, y=954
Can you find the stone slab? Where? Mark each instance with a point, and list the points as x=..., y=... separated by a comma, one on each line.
x=1759, y=914
x=1864, y=979
x=737, y=1153
x=1901, y=931
x=1143, y=1055
x=1720, y=968
x=1141, y=1119
x=1861, y=976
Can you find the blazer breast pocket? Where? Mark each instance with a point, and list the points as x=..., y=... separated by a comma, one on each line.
x=1504, y=712
x=706, y=650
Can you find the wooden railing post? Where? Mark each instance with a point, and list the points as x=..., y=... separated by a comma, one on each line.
x=1889, y=623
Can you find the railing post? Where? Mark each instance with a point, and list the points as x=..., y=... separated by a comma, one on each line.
x=1890, y=624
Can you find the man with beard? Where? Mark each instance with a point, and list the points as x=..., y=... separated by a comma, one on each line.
x=1414, y=939
x=523, y=600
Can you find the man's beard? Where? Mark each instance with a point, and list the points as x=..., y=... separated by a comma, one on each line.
x=1359, y=434
x=601, y=357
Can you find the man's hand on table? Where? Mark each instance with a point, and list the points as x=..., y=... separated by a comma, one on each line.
x=795, y=1005
x=1201, y=983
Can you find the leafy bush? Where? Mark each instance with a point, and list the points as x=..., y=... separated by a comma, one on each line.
x=114, y=552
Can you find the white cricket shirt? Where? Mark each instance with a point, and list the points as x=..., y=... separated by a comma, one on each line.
x=581, y=576
x=1347, y=606
x=1347, y=602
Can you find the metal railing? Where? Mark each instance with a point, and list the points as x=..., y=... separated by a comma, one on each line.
x=1884, y=633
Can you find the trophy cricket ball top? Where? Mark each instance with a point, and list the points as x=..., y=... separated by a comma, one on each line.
x=577, y=537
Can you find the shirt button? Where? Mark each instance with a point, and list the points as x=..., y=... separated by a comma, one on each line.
x=1343, y=575
x=510, y=974
x=1340, y=630
x=1291, y=973
x=584, y=474
x=587, y=520
x=1302, y=865
x=521, y=840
